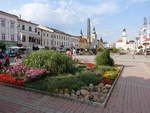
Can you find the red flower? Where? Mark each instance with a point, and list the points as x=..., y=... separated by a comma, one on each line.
x=107, y=81
x=89, y=65
x=10, y=79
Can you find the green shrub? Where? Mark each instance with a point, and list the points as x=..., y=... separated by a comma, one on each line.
x=104, y=58
x=90, y=77
x=105, y=68
x=53, y=61
x=99, y=50
x=65, y=81
x=114, y=50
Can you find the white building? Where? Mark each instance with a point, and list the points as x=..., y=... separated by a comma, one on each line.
x=54, y=38
x=46, y=36
x=122, y=44
x=27, y=33
x=8, y=27
x=143, y=41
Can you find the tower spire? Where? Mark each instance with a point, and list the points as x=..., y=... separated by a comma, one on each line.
x=81, y=33
x=89, y=31
x=94, y=31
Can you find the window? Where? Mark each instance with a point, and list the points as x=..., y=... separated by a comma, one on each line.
x=30, y=39
x=47, y=35
x=18, y=37
x=12, y=24
x=3, y=22
x=30, y=28
x=35, y=30
x=47, y=42
x=38, y=33
x=43, y=34
x=12, y=37
x=44, y=42
x=23, y=27
x=3, y=36
x=23, y=38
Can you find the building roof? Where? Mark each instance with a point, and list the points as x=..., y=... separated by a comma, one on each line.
x=131, y=41
x=137, y=38
x=119, y=41
x=8, y=14
x=45, y=28
x=27, y=22
x=147, y=39
x=82, y=40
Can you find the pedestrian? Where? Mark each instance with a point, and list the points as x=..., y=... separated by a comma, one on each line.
x=145, y=53
x=70, y=52
x=18, y=59
x=67, y=52
x=7, y=61
x=74, y=54
x=133, y=54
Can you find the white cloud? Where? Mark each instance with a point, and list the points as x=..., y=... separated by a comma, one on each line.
x=138, y=1
x=62, y=12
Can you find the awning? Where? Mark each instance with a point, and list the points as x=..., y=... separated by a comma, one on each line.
x=8, y=44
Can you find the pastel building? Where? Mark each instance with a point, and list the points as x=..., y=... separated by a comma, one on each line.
x=8, y=27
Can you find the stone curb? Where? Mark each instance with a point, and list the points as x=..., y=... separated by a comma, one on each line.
x=111, y=89
x=70, y=98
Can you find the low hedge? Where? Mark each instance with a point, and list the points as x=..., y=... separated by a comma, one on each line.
x=70, y=82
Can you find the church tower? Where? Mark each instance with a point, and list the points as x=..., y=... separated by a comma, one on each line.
x=94, y=38
x=124, y=36
x=81, y=33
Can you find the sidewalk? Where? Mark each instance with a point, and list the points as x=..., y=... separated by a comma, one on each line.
x=131, y=95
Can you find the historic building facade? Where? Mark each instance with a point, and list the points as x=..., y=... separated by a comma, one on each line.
x=29, y=34
x=8, y=27
x=122, y=43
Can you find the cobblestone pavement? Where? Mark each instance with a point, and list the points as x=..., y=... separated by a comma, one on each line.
x=130, y=95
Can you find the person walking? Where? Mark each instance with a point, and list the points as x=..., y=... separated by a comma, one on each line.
x=70, y=52
x=133, y=54
x=7, y=61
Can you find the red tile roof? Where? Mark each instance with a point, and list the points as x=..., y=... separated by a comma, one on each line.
x=147, y=39
x=83, y=40
x=119, y=41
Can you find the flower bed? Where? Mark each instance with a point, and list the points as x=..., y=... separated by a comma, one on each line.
x=27, y=72
x=10, y=79
x=91, y=84
x=89, y=65
x=18, y=74
x=87, y=85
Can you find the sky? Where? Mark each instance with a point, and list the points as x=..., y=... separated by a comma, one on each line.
x=108, y=16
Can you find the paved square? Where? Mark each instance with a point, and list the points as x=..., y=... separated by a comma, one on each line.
x=131, y=95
